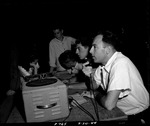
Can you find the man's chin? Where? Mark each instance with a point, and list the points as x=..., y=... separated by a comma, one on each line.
x=81, y=58
x=96, y=61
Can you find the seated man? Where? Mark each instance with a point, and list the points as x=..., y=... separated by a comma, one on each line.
x=69, y=60
x=118, y=78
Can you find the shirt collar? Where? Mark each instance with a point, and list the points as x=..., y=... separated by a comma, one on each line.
x=110, y=61
x=59, y=40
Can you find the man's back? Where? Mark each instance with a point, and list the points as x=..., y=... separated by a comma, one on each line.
x=134, y=97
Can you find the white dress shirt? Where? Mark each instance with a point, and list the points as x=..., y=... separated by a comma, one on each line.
x=121, y=74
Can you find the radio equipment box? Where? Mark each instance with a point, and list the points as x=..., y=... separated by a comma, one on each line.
x=45, y=100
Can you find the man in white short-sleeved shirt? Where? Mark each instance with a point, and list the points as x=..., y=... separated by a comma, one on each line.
x=122, y=83
x=57, y=46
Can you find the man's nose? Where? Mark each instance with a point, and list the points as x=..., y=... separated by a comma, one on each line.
x=91, y=50
x=77, y=51
x=38, y=65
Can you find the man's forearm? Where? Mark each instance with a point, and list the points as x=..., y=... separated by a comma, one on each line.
x=100, y=98
x=93, y=84
x=52, y=69
x=108, y=99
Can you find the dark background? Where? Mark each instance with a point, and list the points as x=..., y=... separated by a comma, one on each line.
x=24, y=23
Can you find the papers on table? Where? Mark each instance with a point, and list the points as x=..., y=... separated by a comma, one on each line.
x=80, y=99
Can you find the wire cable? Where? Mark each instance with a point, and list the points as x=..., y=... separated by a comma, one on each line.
x=95, y=106
x=93, y=101
x=83, y=109
x=68, y=115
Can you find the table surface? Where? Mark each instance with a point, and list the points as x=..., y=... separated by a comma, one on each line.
x=76, y=114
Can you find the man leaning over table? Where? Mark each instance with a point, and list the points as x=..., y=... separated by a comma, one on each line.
x=118, y=78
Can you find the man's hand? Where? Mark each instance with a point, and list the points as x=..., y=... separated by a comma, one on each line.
x=52, y=70
x=79, y=66
x=10, y=92
x=87, y=70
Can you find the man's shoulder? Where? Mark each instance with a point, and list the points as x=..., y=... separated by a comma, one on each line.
x=121, y=60
x=53, y=41
x=68, y=37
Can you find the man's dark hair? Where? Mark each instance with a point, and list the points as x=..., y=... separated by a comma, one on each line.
x=67, y=58
x=85, y=40
x=111, y=38
x=58, y=26
x=33, y=57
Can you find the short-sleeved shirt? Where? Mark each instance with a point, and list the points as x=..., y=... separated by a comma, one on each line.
x=56, y=47
x=121, y=74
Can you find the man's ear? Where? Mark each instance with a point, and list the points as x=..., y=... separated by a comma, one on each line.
x=108, y=49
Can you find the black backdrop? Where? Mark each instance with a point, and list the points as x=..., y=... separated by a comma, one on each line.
x=24, y=23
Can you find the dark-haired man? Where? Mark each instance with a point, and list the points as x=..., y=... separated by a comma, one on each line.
x=118, y=77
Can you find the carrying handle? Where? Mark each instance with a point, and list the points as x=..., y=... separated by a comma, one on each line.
x=46, y=106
